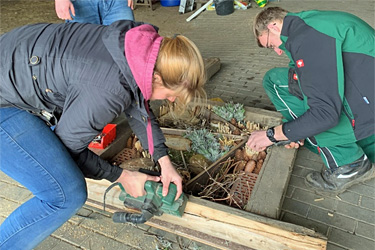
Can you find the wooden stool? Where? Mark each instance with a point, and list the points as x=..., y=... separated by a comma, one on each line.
x=143, y=2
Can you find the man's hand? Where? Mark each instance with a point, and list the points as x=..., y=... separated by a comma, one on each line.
x=63, y=9
x=258, y=141
x=134, y=182
x=295, y=144
x=169, y=174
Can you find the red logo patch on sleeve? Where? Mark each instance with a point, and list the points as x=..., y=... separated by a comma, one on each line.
x=300, y=63
x=295, y=77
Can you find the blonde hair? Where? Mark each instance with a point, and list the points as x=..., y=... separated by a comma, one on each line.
x=181, y=67
x=265, y=17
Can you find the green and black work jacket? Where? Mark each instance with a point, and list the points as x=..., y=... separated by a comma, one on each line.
x=333, y=54
x=80, y=74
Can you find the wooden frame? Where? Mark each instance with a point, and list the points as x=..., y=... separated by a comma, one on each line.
x=225, y=227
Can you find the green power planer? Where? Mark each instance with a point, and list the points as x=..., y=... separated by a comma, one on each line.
x=153, y=203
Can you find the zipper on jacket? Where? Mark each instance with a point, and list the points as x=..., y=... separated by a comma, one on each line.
x=347, y=111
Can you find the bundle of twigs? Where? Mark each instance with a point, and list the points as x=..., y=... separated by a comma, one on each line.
x=219, y=186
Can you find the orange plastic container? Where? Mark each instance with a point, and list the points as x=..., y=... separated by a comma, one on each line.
x=107, y=136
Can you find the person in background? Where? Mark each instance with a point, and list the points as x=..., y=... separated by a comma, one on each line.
x=94, y=11
x=76, y=79
x=326, y=94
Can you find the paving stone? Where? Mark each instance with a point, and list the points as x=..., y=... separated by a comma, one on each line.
x=296, y=207
x=365, y=230
x=48, y=244
x=7, y=207
x=313, y=199
x=356, y=212
x=297, y=181
x=6, y=179
x=331, y=218
x=136, y=237
x=73, y=233
x=62, y=245
x=289, y=192
x=331, y=246
x=101, y=242
x=80, y=216
x=179, y=242
x=16, y=193
x=350, y=241
x=102, y=224
x=361, y=189
x=368, y=202
x=309, y=165
x=300, y=171
x=370, y=183
x=349, y=197
x=302, y=221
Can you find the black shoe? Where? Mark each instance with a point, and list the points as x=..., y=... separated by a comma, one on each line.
x=338, y=180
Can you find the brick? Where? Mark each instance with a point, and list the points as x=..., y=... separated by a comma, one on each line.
x=296, y=207
x=349, y=197
x=73, y=233
x=289, y=192
x=102, y=224
x=48, y=244
x=356, y=212
x=332, y=246
x=311, y=224
x=6, y=179
x=2, y=219
x=368, y=203
x=16, y=193
x=310, y=198
x=309, y=164
x=297, y=181
x=335, y=220
x=62, y=245
x=82, y=214
x=365, y=230
x=349, y=240
x=370, y=182
x=135, y=237
x=7, y=207
x=301, y=171
x=101, y=242
x=363, y=190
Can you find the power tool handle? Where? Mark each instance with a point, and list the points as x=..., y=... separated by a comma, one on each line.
x=149, y=172
x=123, y=217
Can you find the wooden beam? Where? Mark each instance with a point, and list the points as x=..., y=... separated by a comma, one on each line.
x=220, y=221
x=269, y=191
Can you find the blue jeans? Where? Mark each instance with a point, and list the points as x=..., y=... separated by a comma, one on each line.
x=33, y=155
x=101, y=11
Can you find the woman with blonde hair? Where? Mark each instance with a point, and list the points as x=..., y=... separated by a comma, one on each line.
x=60, y=85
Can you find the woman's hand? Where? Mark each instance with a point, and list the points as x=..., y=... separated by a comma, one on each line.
x=131, y=4
x=64, y=8
x=169, y=174
x=134, y=182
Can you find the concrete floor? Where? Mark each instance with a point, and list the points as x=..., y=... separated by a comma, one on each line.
x=348, y=222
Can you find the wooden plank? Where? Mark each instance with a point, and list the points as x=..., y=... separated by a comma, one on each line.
x=262, y=116
x=212, y=66
x=180, y=230
x=234, y=225
x=269, y=191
